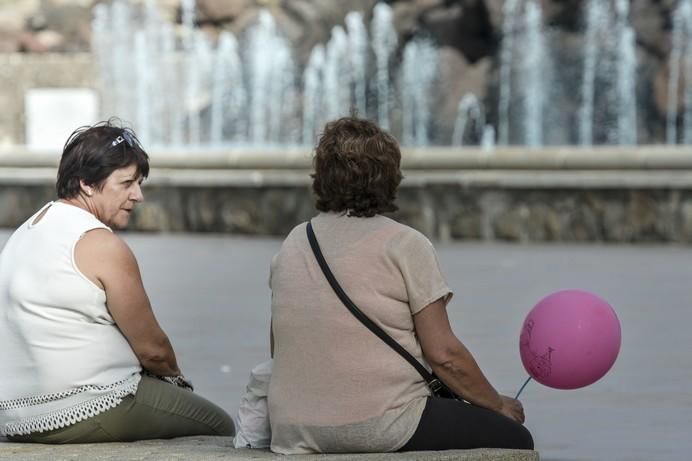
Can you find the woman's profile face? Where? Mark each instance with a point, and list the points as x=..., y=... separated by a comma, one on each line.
x=119, y=194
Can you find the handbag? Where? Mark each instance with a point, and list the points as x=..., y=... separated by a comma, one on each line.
x=437, y=387
x=252, y=423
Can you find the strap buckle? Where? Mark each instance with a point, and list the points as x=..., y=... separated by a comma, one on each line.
x=435, y=385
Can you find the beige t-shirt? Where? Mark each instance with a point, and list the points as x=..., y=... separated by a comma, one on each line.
x=336, y=387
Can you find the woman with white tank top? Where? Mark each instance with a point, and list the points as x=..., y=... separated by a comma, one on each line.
x=82, y=356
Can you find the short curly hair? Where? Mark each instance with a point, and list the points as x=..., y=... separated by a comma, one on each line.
x=357, y=168
x=92, y=153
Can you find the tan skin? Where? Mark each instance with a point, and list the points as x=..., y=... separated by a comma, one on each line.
x=120, y=278
x=452, y=362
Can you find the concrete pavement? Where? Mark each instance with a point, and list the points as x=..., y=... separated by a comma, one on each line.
x=221, y=448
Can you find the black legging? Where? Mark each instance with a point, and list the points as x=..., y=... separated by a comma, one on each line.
x=448, y=424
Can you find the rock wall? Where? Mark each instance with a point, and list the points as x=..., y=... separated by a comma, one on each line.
x=444, y=210
x=468, y=33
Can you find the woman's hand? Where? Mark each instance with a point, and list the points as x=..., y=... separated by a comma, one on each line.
x=512, y=408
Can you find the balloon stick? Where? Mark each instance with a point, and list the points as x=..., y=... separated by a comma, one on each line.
x=522, y=387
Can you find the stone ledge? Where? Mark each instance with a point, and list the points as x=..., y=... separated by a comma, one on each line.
x=550, y=158
x=221, y=448
x=506, y=179
x=463, y=206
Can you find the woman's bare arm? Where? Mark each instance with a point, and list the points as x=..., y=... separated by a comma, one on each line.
x=108, y=262
x=452, y=362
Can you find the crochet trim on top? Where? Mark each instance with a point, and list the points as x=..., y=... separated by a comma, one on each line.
x=66, y=416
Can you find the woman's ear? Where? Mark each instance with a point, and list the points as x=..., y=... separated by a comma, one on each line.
x=85, y=188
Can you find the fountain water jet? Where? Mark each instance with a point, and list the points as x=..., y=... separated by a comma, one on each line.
x=228, y=94
x=626, y=71
x=417, y=73
x=508, y=30
x=533, y=75
x=681, y=53
x=271, y=80
x=469, y=110
x=596, y=20
x=337, y=75
x=248, y=90
x=525, y=82
x=312, y=94
x=384, y=44
x=358, y=53
x=608, y=77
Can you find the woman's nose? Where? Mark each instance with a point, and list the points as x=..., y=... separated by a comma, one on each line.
x=136, y=195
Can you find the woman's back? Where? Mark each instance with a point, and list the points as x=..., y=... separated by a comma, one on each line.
x=335, y=385
x=58, y=338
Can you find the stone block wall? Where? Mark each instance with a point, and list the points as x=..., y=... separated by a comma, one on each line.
x=552, y=215
x=641, y=195
x=448, y=212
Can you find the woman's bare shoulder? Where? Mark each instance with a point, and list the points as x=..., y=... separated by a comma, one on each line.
x=103, y=245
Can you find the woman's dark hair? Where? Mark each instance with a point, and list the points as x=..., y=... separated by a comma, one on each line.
x=92, y=153
x=356, y=168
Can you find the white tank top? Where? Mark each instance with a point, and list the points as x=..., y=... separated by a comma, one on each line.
x=62, y=357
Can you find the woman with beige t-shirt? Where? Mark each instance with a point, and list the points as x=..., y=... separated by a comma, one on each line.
x=336, y=387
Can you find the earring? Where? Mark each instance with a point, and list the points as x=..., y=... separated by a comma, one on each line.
x=89, y=192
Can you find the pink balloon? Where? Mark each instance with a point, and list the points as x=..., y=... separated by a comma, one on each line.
x=570, y=339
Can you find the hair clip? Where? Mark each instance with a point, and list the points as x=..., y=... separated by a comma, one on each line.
x=125, y=136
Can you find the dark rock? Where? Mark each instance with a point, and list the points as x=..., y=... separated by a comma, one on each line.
x=686, y=220
x=72, y=21
x=566, y=14
x=238, y=217
x=650, y=22
x=218, y=12
x=645, y=214
x=200, y=210
x=315, y=20
x=18, y=203
x=615, y=225
x=162, y=210
x=660, y=84
x=464, y=25
x=543, y=223
x=416, y=209
x=493, y=204
x=457, y=78
x=151, y=216
x=456, y=213
x=651, y=123
x=405, y=18
x=495, y=14
x=467, y=226
x=283, y=209
x=581, y=217
x=511, y=224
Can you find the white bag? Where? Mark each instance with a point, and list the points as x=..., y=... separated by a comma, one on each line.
x=253, y=429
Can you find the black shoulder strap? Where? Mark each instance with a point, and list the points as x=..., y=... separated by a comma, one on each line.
x=432, y=381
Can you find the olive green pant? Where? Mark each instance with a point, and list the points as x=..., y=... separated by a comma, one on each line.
x=158, y=410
